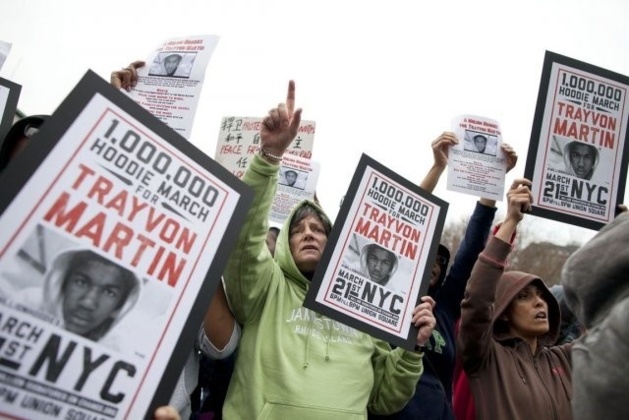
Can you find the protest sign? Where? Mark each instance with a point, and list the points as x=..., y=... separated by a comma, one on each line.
x=379, y=255
x=577, y=157
x=9, y=95
x=239, y=140
x=170, y=83
x=297, y=182
x=477, y=165
x=5, y=47
x=115, y=233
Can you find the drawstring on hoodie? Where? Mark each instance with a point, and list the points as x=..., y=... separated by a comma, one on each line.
x=307, y=353
x=327, y=344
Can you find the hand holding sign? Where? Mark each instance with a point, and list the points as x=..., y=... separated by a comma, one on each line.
x=126, y=78
x=424, y=319
x=520, y=199
x=440, y=148
x=510, y=156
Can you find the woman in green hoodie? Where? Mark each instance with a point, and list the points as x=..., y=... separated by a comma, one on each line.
x=293, y=363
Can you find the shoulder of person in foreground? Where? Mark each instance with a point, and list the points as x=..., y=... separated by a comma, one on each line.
x=595, y=284
x=594, y=276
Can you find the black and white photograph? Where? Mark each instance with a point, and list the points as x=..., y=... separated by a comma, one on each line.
x=75, y=288
x=293, y=178
x=480, y=143
x=573, y=157
x=173, y=64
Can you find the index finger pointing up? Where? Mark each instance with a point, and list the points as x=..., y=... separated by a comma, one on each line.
x=290, y=98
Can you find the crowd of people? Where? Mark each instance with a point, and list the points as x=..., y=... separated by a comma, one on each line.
x=492, y=343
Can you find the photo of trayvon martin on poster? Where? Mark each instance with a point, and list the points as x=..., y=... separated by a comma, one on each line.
x=379, y=255
x=577, y=157
x=115, y=231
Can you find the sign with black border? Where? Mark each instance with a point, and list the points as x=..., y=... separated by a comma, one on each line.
x=107, y=189
x=577, y=157
x=9, y=95
x=379, y=255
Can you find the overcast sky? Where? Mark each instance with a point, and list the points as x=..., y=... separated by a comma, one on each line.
x=381, y=78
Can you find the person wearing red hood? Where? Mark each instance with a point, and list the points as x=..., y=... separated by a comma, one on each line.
x=509, y=322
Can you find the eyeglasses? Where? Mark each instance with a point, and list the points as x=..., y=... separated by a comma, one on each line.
x=30, y=130
x=441, y=260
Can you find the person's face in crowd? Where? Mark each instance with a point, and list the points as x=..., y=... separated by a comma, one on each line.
x=171, y=63
x=271, y=240
x=379, y=264
x=582, y=160
x=527, y=313
x=437, y=267
x=93, y=291
x=307, y=241
x=480, y=142
x=291, y=177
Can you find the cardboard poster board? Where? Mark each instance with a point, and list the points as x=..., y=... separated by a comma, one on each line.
x=577, y=158
x=379, y=255
x=115, y=233
x=9, y=96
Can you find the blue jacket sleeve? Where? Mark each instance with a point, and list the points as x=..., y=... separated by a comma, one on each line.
x=474, y=240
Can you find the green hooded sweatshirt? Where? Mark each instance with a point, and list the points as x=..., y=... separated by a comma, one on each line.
x=293, y=363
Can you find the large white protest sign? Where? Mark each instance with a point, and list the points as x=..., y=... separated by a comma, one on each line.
x=108, y=206
x=577, y=158
x=379, y=254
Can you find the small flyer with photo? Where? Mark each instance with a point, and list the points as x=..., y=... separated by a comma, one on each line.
x=169, y=85
x=477, y=165
x=297, y=182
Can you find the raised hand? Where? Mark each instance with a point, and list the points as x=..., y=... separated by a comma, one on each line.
x=440, y=147
x=520, y=199
x=126, y=78
x=279, y=128
x=424, y=319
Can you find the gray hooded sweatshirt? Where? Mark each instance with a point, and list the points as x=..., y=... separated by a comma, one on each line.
x=597, y=291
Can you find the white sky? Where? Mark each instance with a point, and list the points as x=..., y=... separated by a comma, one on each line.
x=381, y=78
